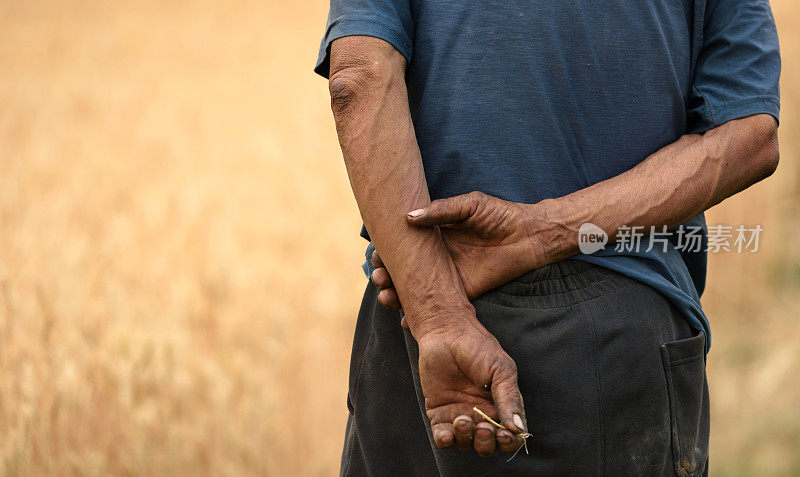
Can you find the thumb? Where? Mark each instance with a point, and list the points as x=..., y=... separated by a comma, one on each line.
x=508, y=400
x=446, y=211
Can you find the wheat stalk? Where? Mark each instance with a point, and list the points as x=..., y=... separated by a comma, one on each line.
x=522, y=435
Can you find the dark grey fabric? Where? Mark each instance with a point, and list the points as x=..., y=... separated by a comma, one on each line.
x=612, y=376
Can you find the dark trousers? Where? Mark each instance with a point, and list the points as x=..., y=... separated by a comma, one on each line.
x=612, y=376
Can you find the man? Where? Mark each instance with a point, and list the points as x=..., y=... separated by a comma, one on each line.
x=525, y=121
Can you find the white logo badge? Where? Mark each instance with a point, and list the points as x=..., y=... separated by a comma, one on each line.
x=591, y=238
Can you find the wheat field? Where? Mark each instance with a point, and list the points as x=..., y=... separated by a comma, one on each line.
x=179, y=258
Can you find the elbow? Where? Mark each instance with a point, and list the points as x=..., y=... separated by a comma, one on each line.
x=362, y=70
x=766, y=161
x=757, y=140
x=345, y=88
x=353, y=85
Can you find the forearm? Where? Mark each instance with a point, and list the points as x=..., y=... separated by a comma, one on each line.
x=676, y=183
x=370, y=105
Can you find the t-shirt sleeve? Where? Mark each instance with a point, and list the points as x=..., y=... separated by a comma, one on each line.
x=737, y=70
x=389, y=20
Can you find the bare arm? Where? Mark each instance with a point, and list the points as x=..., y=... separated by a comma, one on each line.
x=461, y=364
x=676, y=183
x=494, y=241
x=370, y=105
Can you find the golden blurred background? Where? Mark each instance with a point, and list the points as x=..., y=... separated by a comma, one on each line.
x=179, y=258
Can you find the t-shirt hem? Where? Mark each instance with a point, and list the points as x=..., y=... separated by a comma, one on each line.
x=715, y=116
x=354, y=26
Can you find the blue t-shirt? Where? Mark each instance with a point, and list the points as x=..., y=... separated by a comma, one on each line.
x=534, y=100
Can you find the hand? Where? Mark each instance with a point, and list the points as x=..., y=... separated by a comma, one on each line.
x=492, y=241
x=463, y=366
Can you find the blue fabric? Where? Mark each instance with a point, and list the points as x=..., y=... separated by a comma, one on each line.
x=528, y=101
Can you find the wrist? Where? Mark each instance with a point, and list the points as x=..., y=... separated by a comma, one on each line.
x=440, y=318
x=551, y=232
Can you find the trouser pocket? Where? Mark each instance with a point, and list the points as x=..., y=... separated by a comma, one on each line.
x=685, y=370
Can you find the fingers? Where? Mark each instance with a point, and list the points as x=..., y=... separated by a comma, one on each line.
x=507, y=398
x=381, y=278
x=484, y=442
x=463, y=427
x=483, y=437
x=443, y=435
x=453, y=421
x=467, y=436
x=376, y=260
x=389, y=299
x=447, y=211
x=507, y=442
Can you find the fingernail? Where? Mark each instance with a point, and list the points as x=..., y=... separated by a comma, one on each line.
x=463, y=425
x=483, y=433
x=416, y=213
x=445, y=438
x=505, y=438
x=518, y=422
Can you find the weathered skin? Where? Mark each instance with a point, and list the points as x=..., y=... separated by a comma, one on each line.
x=461, y=364
x=445, y=252
x=493, y=241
